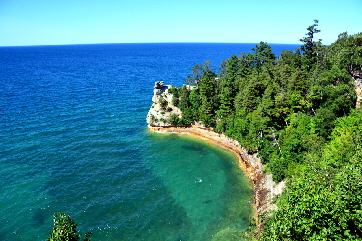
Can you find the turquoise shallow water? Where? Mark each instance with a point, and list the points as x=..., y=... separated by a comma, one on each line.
x=74, y=140
x=205, y=182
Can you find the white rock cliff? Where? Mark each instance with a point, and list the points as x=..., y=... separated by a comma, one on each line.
x=162, y=108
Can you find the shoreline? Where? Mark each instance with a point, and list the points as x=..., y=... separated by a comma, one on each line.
x=265, y=189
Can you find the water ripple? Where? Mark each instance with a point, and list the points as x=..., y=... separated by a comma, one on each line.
x=73, y=139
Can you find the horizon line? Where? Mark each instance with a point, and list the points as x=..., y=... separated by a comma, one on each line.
x=39, y=45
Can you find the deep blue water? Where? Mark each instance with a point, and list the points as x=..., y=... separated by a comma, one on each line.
x=74, y=140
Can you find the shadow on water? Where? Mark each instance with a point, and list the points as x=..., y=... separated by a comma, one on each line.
x=207, y=182
x=40, y=216
x=115, y=197
x=169, y=137
x=207, y=201
x=150, y=213
x=195, y=148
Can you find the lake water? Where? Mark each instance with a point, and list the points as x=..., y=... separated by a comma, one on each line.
x=74, y=139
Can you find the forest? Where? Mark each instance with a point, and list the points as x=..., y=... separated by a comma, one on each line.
x=298, y=111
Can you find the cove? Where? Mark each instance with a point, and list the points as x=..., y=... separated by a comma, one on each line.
x=214, y=198
x=265, y=189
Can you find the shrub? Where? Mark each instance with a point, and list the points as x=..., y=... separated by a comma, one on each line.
x=65, y=229
x=163, y=102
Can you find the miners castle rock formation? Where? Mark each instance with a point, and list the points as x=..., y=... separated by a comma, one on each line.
x=162, y=108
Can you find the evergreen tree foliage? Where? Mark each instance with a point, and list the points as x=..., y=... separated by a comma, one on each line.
x=263, y=54
x=324, y=200
x=208, y=98
x=310, y=47
x=65, y=229
x=228, y=85
x=297, y=112
x=346, y=52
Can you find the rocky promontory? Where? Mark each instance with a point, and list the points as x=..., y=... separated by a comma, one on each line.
x=162, y=108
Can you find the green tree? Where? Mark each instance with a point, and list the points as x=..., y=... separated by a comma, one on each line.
x=346, y=139
x=208, y=98
x=163, y=102
x=310, y=47
x=324, y=200
x=263, y=54
x=189, y=104
x=175, y=95
x=346, y=52
x=291, y=58
x=320, y=204
x=65, y=229
x=184, y=101
x=228, y=85
x=175, y=120
x=198, y=71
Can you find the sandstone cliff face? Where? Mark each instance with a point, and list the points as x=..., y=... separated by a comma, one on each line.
x=162, y=108
x=357, y=76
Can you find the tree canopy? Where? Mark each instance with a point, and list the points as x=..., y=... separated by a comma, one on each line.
x=297, y=112
x=65, y=229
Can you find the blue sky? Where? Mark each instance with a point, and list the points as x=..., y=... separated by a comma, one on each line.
x=55, y=22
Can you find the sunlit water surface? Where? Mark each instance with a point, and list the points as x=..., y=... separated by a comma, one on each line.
x=74, y=140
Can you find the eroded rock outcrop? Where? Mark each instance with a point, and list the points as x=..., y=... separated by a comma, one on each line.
x=357, y=76
x=162, y=108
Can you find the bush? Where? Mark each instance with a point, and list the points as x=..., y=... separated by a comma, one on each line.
x=65, y=229
x=163, y=103
x=175, y=120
